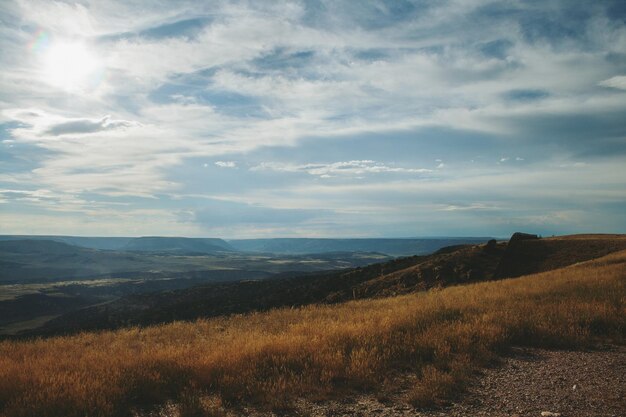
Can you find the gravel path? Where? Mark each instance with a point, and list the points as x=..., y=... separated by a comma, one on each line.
x=532, y=381
x=527, y=383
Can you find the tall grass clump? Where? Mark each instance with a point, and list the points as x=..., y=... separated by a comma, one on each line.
x=269, y=359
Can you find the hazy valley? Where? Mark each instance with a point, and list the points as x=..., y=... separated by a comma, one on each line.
x=44, y=276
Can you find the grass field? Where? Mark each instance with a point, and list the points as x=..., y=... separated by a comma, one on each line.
x=269, y=359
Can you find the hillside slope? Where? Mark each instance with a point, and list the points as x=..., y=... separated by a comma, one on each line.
x=526, y=256
x=462, y=265
x=451, y=266
x=219, y=299
x=435, y=340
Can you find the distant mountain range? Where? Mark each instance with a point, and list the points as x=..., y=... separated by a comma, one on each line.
x=291, y=246
x=178, y=244
x=143, y=244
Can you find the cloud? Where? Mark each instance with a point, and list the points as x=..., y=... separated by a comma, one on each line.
x=82, y=126
x=525, y=95
x=226, y=164
x=56, y=201
x=41, y=123
x=619, y=82
x=26, y=195
x=468, y=206
x=339, y=168
x=186, y=82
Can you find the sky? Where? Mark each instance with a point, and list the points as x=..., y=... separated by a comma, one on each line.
x=312, y=118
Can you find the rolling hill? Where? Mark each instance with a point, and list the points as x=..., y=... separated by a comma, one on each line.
x=450, y=266
x=420, y=349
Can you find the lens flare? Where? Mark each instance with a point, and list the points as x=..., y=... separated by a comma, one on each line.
x=40, y=42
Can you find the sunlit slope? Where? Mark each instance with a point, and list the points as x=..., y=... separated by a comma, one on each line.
x=469, y=264
x=269, y=359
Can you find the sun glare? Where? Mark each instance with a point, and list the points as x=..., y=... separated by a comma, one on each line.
x=71, y=66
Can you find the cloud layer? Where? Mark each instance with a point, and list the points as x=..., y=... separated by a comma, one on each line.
x=385, y=117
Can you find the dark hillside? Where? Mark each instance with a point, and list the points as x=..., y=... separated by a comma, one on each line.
x=221, y=299
x=462, y=265
x=526, y=256
x=449, y=266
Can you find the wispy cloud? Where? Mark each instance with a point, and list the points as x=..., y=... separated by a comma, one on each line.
x=340, y=168
x=226, y=164
x=619, y=82
x=79, y=126
x=41, y=123
x=471, y=206
x=254, y=82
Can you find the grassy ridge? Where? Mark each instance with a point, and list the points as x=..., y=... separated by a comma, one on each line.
x=271, y=358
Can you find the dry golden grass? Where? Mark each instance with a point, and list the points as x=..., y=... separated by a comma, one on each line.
x=271, y=358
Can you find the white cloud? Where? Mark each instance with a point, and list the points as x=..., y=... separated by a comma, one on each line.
x=226, y=164
x=234, y=87
x=350, y=168
x=619, y=82
x=44, y=124
x=600, y=182
x=464, y=207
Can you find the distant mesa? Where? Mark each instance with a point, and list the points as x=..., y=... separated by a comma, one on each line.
x=29, y=246
x=178, y=244
x=277, y=246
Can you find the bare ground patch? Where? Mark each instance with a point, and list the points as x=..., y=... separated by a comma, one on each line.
x=526, y=383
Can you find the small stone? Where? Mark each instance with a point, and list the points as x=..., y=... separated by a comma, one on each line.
x=550, y=414
x=574, y=387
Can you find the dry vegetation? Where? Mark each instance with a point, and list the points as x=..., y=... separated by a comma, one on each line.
x=272, y=358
